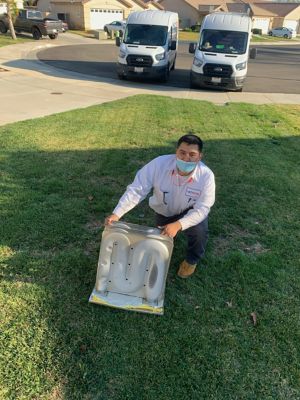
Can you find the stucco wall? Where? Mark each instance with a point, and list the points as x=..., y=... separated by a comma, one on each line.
x=44, y=5
x=135, y=7
x=294, y=15
x=74, y=11
x=187, y=15
x=276, y=22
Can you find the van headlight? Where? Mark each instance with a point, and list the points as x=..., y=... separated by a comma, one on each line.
x=160, y=56
x=197, y=62
x=122, y=54
x=241, y=66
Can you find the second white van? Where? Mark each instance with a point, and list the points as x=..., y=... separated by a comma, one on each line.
x=221, y=55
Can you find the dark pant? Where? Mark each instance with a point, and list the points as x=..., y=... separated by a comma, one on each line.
x=197, y=236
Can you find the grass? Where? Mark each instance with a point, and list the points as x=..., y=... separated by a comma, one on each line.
x=6, y=39
x=87, y=34
x=61, y=175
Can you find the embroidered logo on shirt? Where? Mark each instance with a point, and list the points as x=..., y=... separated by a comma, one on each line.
x=190, y=192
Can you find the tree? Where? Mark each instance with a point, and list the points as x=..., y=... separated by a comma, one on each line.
x=10, y=11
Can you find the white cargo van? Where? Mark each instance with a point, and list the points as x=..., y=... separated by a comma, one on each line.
x=222, y=52
x=149, y=45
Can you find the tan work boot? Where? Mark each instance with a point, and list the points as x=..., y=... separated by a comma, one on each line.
x=185, y=269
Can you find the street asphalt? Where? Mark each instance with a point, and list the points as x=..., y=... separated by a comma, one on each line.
x=31, y=88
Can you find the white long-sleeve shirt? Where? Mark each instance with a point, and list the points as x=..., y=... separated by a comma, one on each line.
x=172, y=193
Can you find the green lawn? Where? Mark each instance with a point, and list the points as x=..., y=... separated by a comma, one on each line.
x=6, y=39
x=61, y=175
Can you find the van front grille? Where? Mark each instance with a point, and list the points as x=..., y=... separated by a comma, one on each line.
x=136, y=60
x=217, y=70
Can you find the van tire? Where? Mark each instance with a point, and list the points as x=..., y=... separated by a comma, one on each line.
x=53, y=36
x=285, y=36
x=3, y=28
x=192, y=84
x=173, y=65
x=166, y=74
x=36, y=34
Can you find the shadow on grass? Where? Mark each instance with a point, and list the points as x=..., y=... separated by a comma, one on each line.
x=205, y=346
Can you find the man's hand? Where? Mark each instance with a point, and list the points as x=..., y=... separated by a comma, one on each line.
x=172, y=229
x=111, y=218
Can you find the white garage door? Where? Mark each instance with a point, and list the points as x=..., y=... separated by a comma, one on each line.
x=291, y=24
x=100, y=17
x=261, y=23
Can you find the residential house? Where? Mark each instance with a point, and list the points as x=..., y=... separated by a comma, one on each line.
x=265, y=15
x=3, y=7
x=93, y=14
x=192, y=12
x=286, y=14
x=268, y=15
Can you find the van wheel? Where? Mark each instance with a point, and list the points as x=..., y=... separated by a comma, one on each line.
x=3, y=28
x=166, y=75
x=192, y=84
x=36, y=34
x=285, y=36
x=53, y=36
x=173, y=66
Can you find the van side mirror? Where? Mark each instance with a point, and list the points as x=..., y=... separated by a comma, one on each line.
x=118, y=41
x=253, y=53
x=173, y=45
x=192, y=48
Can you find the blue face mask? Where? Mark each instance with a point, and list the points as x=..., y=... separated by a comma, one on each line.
x=185, y=166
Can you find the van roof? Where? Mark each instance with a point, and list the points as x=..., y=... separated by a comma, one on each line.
x=227, y=21
x=152, y=17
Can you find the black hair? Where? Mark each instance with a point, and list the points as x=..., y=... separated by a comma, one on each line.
x=191, y=139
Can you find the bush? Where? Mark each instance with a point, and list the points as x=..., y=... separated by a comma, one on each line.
x=196, y=28
x=256, y=31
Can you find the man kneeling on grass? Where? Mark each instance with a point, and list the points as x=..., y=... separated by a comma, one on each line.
x=183, y=193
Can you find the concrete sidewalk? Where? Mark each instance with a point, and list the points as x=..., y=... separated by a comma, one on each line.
x=31, y=89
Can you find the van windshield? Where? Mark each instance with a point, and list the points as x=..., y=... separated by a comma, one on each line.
x=149, y=35
x=229, y=42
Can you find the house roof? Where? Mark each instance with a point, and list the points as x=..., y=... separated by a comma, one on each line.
x=126, y=3
x=262, y=12
x=154, y=3
x=140, y=3
x=69, y=1
x=197, y=3
x=278, y=9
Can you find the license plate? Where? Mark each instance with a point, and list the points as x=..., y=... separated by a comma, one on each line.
x=216, y=80
x=138, y=69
